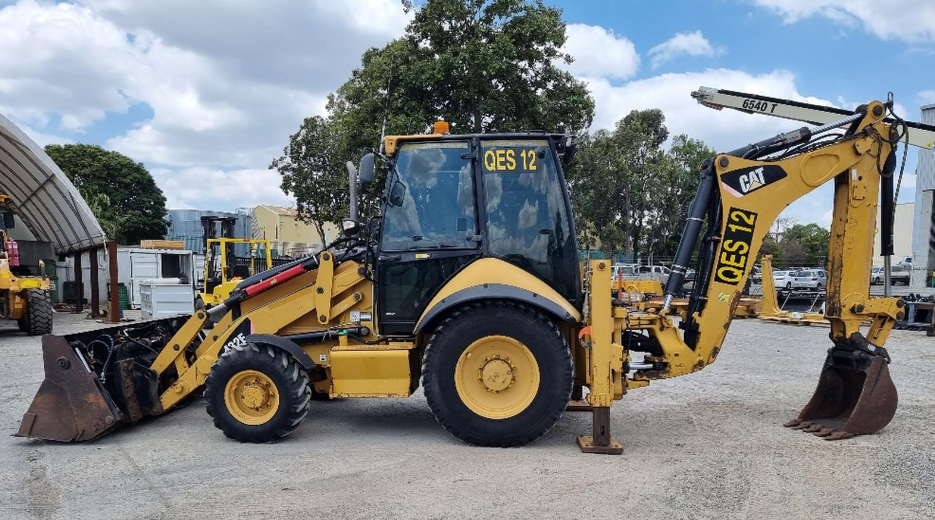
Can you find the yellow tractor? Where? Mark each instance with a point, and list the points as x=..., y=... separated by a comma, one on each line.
x=469, y=284
x=223, y=269
x=24, y=299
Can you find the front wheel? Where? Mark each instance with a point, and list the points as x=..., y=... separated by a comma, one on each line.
x=788, y=286
x=497, y=374
x=38, y=313
x=257, y=393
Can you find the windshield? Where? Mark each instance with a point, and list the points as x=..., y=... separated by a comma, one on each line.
x=430, y=200
x=527, y=216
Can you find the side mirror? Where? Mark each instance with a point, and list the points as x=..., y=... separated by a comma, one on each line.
x=571, y=149
x=350, y=226
x=365, y=172
x=397, y=194
x=8, y=221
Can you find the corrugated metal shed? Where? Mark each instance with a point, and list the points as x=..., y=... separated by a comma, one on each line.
x=45, y=199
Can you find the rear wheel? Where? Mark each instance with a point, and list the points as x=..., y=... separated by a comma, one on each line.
x=257, y=393
x=788, y=286
x=497, y=374
x=38, y=313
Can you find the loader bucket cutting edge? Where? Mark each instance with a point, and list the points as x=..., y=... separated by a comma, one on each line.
x=855, y=396
x=71, y=405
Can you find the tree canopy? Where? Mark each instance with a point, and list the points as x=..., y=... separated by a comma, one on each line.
x=309, y=168
x=481, y=65
x=120, y=192
x=804, y=245
x=630, y=194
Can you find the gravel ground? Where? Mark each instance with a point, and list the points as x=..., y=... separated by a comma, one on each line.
x=709, y=445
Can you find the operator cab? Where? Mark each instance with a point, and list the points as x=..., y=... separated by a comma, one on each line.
x=452, y=199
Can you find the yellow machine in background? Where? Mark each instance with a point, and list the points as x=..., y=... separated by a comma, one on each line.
x=469, y=284
x=222, y=274
x=771, y=311
x=24, y=299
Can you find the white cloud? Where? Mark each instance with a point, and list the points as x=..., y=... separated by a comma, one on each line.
x=927, y=96
x=42, y=138
x=723, y=130
x=215, y=188
x=689, y=44
x=227, y=82
x=909, y=20
x=599, y=53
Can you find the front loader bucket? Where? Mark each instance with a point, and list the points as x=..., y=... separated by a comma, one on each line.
x=71, y=404
x=855, y=396
x=95, y=381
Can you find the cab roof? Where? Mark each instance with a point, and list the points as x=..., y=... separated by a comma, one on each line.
x=391, y=143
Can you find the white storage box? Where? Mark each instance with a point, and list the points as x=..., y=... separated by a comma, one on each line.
x=166, y=297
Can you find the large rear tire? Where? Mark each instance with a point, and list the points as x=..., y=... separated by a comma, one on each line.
x=257, y=393
x=497, y=374
x=38, y=313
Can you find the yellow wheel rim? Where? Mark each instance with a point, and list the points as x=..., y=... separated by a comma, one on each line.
x=497, y=377
x=251, y=397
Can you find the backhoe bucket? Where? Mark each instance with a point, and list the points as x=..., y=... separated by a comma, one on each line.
x=855, y=396
x=96, y=381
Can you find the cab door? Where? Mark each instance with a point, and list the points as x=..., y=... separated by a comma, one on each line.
x=429, y=229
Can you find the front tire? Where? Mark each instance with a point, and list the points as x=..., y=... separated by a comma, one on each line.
x=257, y=393
x=38, y=313
x=497, y=374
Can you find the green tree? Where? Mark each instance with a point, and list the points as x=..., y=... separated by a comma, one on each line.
x=312, y=170
x=120, y=192
x=481, y=65
x=805, y=245
x=629, y=193
x=671, y=194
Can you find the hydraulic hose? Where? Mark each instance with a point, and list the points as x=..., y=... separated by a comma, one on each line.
x=696, y=213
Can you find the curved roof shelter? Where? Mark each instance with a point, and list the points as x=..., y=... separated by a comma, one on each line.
x=45, y=200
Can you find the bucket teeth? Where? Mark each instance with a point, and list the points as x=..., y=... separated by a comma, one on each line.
x=839, y=435
x=855, y=393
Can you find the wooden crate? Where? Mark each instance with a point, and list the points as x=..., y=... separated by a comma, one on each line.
x=162, y=244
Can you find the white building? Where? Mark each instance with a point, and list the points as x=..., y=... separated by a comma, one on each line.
x=923, y=240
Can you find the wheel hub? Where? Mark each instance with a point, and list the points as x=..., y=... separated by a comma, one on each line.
x=497, y=373
x=256, y=394
x=251, y=397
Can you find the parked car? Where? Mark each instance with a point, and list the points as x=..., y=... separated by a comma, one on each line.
x=653, y=272
x=628, y=271
x=782, y=280
x=899, y=273
x=809, y=279
x=757, y=274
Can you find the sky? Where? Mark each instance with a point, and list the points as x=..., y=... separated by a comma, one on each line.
x=206, y=93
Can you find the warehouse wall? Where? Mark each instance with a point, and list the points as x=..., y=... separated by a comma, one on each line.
x=923, y=241
x=185, y=224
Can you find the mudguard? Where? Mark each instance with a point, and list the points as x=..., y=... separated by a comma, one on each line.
x=494, y=279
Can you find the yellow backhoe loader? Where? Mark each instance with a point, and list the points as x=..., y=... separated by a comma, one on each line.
x=24, y=299
x=469, y=282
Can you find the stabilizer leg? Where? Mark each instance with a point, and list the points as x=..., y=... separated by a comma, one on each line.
x=601, y=441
